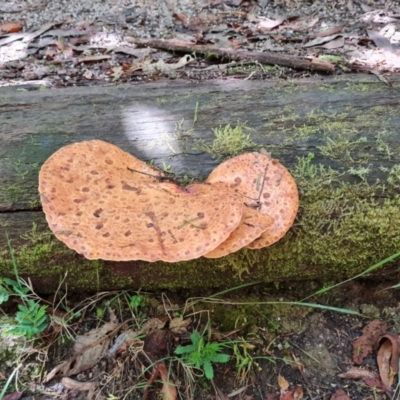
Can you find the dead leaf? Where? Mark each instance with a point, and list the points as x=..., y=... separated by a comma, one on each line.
x=89, y=387
x=267, y=24
x=372, y=379
x=161, y=67
x=340, y=394
x=357, y=373
x=178, y=325
x=13, y=396
x=152, y=324
x=283, y=383
x=331, y=31
x=64, y=47
x=196, y=22
x=383, y=43
x=87, y=351
x=335, y=43
x=116, y=73
x=388, y=358
x=168, y=390
x=319, y=41
x=363, y=345
x=294, y=394
x=12, y=26
x=93, y=58
x=155, y=343
x=88, y=74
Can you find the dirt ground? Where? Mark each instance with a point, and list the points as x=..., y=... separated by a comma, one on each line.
x=293, y=352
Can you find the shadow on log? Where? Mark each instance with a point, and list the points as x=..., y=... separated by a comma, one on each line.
x=338, y=136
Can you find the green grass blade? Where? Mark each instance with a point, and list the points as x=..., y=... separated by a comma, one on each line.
x=7, y=384
x=232, y=289
x=368, y=270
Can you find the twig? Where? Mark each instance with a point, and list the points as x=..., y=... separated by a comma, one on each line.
x=238, y=55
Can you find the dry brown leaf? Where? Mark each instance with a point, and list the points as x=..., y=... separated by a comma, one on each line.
x=267, y=24
x=13, y=396
x=357, y=373
x=12, y=26
x=363, y=345
x=319, y=41
x=197, y=21
x=94, y=58
x=331, y=31
x=283, y=383
x=89, y=387
x=340, y=394
x=152, y=324
x=179, y=325
x=388, y=358
x=294, y=394
x=168, y=390
x=383, y=358
x=334, y=44
x=87, y=351
x=162, y=67
x=372, y=379
x=383, y=43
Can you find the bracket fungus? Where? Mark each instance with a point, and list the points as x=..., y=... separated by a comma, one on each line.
x=267, y=186
x=106, y=204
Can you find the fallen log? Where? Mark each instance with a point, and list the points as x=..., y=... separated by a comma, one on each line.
x=338, y=136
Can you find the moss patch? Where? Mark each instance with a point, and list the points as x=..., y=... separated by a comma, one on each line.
x=44, y=257
x=229, y=141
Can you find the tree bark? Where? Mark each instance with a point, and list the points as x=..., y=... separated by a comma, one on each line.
x=338, y=136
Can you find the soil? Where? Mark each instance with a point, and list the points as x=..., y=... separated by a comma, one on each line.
x=298, y=352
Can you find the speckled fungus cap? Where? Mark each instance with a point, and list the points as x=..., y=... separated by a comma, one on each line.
x=252, y=225
x=267, y=186
x=106, y=204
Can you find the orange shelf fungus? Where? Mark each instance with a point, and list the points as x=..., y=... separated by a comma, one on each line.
x=267, y=186
x=106, y=204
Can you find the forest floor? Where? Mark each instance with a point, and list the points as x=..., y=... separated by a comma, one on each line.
x=276, y=351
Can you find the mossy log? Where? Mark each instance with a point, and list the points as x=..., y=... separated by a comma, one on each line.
x=338, y=136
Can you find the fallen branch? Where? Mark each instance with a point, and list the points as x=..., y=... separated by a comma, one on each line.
x=238, y=55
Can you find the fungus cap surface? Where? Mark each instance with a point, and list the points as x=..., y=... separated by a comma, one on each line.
x=252, y=225
x=265, y=185
x=99, y=206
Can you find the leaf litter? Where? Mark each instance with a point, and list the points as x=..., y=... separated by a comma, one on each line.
x=133, y=351
x=281, y=33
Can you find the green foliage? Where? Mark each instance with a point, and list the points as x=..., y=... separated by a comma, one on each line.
x=201, y=354
x=135, y=302
x=31, y=320
x=229, y=141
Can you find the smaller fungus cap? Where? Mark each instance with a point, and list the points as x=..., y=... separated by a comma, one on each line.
x=265, y=185
x=97, y=203
x=252, y=225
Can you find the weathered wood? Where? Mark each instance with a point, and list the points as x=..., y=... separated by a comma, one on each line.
x=349, y=185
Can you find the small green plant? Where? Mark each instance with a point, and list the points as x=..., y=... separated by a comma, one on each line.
x=201, y=354
x=135, y=302
x=229, y=141
x=31, y=319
